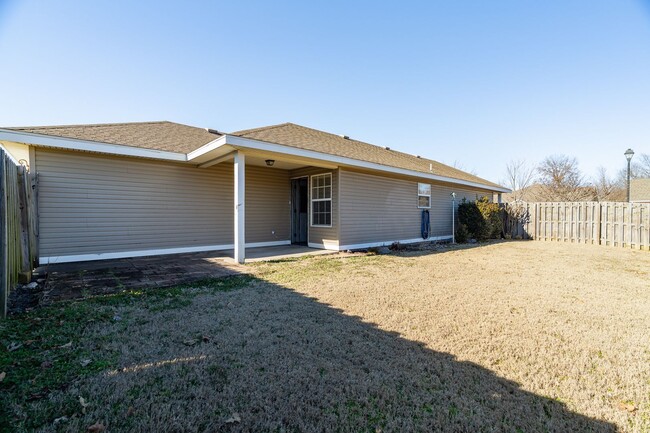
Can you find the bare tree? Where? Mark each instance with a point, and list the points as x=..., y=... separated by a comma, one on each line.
x=641, y=167
x=561, y=180
x=519, y=176
x=606, y=188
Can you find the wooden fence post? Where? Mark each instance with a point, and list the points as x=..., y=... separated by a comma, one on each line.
x=25, y=275
x=4, y=262
x=600, y=223
x=33, y=218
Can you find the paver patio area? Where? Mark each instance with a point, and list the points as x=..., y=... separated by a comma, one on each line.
x=75, y=280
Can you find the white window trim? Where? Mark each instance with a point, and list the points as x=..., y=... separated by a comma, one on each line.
x=312, y=200
x=424, y=195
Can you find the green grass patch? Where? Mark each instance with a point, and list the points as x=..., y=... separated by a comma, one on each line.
x=46, y=349
x=41, y=352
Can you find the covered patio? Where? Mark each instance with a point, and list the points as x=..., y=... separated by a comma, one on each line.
x=244, y=154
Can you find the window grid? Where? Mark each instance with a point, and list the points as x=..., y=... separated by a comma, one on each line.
x=321, y=200
x=424, y=196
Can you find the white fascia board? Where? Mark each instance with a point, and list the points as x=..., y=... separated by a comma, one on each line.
x=89, y=146
x=279, y=148
x=155, y=252
x=214, y=144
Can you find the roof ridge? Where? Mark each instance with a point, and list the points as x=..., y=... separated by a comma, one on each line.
x=93, y=125
x=265, y=128
x=262, y=128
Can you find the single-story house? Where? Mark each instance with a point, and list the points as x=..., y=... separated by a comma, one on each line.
x=137, y=189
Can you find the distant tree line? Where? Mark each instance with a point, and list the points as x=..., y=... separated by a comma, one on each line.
x=558, y=178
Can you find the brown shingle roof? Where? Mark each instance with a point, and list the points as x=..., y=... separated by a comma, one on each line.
x=301, y=137
x=175, y=137
x=167, y=136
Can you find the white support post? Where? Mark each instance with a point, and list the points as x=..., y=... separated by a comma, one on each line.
x=453, y=217
x=240, y=207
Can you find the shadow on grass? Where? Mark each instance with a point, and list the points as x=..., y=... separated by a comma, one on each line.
x=286, y=362
x=188, y=358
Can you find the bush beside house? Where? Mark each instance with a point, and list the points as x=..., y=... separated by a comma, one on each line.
x=480, y=220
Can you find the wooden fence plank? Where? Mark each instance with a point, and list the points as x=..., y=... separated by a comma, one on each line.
x=17, y=232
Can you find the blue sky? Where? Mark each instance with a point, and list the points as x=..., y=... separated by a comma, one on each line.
x=475, y=82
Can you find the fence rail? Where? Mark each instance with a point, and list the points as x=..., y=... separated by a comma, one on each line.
x=600, y=223
x=18, y=226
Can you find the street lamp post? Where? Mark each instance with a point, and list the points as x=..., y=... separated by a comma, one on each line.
x=453, y=219
x=628, y=155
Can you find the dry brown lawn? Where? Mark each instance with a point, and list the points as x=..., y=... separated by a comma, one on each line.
x=512, y=337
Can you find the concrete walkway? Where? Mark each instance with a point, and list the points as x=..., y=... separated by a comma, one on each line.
x=76, y=280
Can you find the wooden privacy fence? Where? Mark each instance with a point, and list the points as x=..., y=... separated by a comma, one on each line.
x=18, y=226
x=601, y=223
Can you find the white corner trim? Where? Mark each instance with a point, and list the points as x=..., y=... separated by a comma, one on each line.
x=157, y=252
x=234, y=140
x=90, y=146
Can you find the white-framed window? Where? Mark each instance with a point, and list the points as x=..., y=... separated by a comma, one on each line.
x=321, y=200
x=424, y=196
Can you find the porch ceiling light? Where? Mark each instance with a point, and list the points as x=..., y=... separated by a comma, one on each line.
x=270, y=162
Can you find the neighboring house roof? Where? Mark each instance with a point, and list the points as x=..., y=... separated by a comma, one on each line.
x=183, y=139
x=531, y=193
x=539, y=193
x=166, y=136
x=640, y=189
x=301, y=137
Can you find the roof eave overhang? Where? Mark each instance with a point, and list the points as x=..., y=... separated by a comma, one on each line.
x=220, y=147
x=228, y=142
x=88, y=146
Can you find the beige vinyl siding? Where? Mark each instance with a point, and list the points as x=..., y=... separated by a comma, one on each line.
x=92, y=204
x=322, y=235
x=268, y=195
x=382, y=209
